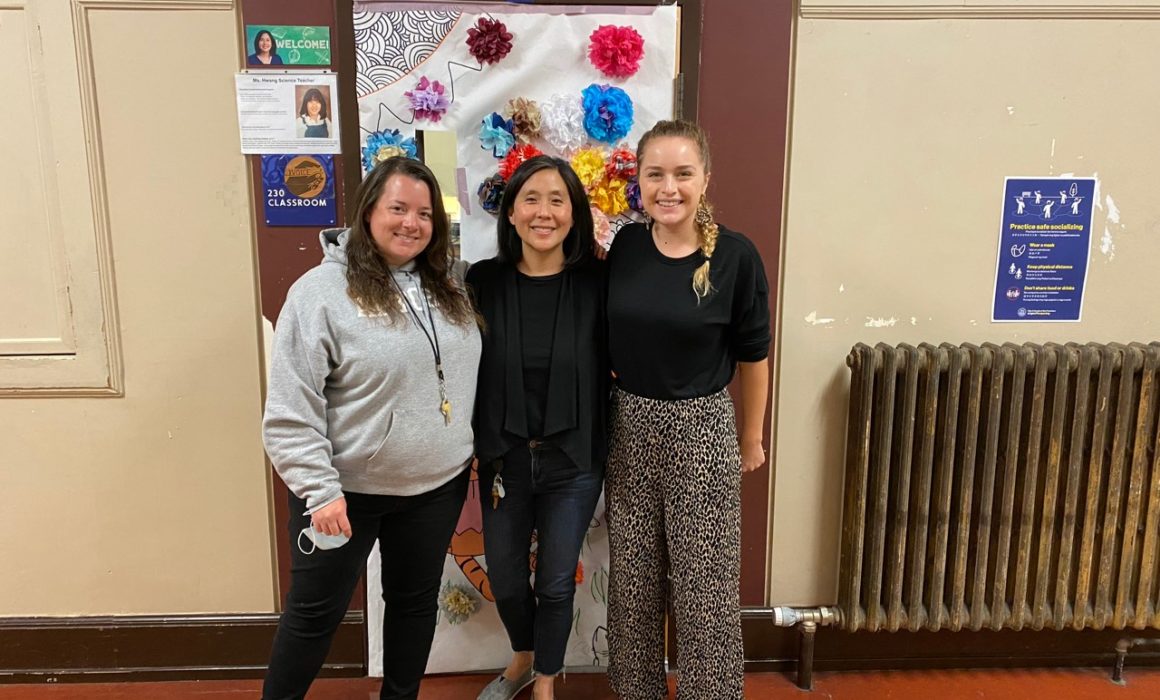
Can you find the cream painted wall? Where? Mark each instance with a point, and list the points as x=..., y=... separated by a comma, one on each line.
x=155, y=502
x=902, y=133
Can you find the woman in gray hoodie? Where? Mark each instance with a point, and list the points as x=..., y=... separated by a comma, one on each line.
x=368, y=421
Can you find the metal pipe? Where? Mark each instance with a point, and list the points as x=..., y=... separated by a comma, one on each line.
x=807, y=620
x=805, y=671
x=788, y=616
x=1122, y=648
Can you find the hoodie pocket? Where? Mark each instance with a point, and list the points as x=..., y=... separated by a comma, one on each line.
x=387, y=430
x=401, y=438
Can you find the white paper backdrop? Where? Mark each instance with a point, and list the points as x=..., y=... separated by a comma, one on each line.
x=395, y=47
x=548, y=56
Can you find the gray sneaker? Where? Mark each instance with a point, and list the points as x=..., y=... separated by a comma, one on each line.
x=503, y=689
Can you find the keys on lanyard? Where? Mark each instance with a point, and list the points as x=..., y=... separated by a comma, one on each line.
x=444, y=402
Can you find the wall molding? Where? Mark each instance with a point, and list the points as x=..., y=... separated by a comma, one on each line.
x=94, y=368
x=942, y=11
x=157, y=647
x=61, y=342
x=170, y=5
x=202, y=647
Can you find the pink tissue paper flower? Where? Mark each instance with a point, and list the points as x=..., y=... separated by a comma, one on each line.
x=616, y=51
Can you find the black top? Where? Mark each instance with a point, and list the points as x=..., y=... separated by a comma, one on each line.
x=538, y=299
x=575, y=409
x=663, y=343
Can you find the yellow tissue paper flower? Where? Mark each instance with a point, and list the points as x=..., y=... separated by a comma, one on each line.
x=608, y=196
x=589, y=166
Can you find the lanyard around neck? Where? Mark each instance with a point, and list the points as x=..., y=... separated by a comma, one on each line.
x=432, y=340
x=431, y=335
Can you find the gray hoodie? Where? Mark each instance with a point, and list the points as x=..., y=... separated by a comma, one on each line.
x=353, y=401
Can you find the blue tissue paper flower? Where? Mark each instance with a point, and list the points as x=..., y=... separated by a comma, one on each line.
x=385, y=144
x=497, y=134
x=607, y=113
x=491, y=193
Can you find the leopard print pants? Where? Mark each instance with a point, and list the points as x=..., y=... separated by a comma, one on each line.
x=674, y=515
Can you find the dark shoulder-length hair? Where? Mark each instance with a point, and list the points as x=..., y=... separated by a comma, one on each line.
x=313, y=94
x=368, y=276
x=577, y=244
x=273, y=43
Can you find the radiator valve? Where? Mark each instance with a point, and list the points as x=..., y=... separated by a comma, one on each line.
x=786, y=616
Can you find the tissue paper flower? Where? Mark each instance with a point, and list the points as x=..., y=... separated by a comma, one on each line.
x=601, y=229
x=525, y=116
x=428, y=99
x=621, y=164
x=385, y=144
x=632, y=194
x=563, y=122
x=457, y=603
x=496, y=134
x=607, y=113
x=589, y=166
x=516, y=157
x=491, y=193
x=608, y=196
x=616, y=51
x=489, y=40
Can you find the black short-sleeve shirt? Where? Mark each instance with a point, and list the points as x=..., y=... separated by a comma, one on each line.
x=664, y=343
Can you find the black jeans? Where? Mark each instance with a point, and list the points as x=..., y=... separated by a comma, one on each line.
x=413, y=534
x=549, y=494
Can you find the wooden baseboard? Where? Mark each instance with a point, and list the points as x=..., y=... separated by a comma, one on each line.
x=776, y=648
x=149, y=648
x=192, y=647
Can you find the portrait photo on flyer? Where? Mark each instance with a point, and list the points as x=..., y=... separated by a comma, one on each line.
x=288, y=113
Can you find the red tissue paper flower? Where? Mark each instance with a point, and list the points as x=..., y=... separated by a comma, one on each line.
x=616, y=51
x=621, y=164
x=489, y=40
x=516, y=157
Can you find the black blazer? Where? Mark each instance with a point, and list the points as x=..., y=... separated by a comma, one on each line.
x=576, y=415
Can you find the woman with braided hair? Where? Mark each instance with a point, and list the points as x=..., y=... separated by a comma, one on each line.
x=687, y=307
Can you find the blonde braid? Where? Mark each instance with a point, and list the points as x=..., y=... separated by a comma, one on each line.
x=707, y=232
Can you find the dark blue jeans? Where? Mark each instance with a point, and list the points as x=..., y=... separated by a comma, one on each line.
x=547, y=493
x=413, y=533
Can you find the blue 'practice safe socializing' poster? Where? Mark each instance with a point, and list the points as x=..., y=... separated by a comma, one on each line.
x=1044, y=245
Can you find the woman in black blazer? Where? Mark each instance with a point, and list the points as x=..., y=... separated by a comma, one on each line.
x=540, y=428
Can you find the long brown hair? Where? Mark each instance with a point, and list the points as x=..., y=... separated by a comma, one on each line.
x=703, y=219
x=368, y=276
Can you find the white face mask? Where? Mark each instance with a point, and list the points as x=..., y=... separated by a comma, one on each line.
x=320, y=541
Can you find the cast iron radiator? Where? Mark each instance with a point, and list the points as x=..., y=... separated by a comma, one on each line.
x=1002, y=487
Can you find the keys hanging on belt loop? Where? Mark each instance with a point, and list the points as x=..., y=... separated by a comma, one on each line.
x=498, y=491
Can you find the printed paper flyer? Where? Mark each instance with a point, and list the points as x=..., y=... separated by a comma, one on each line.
x=1044, y=247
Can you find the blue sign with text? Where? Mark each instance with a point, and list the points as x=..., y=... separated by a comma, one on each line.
x=1044, y=246
x=298, y=190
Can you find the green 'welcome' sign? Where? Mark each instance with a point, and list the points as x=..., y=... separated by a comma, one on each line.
x=280, y=45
